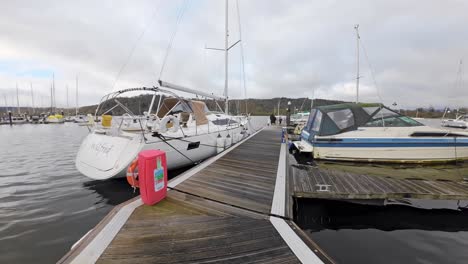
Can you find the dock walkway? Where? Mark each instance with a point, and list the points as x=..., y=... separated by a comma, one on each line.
x=219, y=211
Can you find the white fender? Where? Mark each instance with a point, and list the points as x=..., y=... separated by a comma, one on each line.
x=228, y=141
x=219, y=143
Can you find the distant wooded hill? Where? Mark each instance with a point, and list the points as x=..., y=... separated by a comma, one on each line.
x=141, y=103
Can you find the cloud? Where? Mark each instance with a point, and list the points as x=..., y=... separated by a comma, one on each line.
x=292, y=48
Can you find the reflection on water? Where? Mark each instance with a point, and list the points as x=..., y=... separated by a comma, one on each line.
x=352, y=233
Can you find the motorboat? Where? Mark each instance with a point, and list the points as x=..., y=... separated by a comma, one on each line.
x=35, y=119
x=375, y=133
x=461, y=121
x=183, y=128
x=80, y=119
x=300, y=118
x=18, y=120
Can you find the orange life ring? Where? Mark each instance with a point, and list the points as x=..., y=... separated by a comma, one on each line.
x=132, y=174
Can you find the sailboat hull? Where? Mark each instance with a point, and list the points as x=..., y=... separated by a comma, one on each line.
x=103, y=157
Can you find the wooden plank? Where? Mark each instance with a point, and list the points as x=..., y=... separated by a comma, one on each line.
x=186, y=229
x=245, y=177
x=347, y=185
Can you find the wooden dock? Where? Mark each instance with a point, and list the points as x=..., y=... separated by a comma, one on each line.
x=317, y=182
x=231, y=208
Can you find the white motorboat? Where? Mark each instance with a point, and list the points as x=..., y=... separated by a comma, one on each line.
x=185, y=129
x=349, y=132
x=18, y=120
x=460, y=122
x=299, y=118
x=80, y=119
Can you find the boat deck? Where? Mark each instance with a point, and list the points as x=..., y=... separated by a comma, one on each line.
x=315, y=182
x=223, y=210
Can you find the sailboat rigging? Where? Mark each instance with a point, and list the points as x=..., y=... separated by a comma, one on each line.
x=184, y=128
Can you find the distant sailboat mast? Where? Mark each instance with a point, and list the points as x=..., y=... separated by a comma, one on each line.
x=68, y=105
x=356, y=27
x=17, y=100
x=76, y=97
x=32, y=99
x=6, y=103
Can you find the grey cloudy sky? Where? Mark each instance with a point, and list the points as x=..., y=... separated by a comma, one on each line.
x=291, y=48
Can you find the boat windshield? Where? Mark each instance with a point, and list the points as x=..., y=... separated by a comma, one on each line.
x=388, y=118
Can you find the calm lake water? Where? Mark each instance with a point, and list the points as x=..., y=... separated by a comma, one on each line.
x=46, y=205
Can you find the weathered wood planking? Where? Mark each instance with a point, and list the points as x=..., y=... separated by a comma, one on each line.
x=344, y=185
x=187, y=229
x=245, y=177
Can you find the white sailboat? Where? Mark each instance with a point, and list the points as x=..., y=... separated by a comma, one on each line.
x=54, y=118
x=20, y=118
x=461, y=120
x=184, y=128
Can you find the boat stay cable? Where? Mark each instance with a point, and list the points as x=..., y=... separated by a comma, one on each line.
x=371, y=69
x=180, y=14
x=132, y=50
x=242, y=56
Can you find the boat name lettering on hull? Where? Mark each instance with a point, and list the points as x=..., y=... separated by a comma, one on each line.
x=102, y=148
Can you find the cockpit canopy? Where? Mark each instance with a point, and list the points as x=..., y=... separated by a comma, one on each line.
x=172, y=106
x=339, y=118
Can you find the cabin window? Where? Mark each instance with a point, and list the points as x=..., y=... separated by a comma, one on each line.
x=384, y=112
x=342, y=118
x=311, y=120
x=388, y=118
x=393, y=121
x=370, y=110
x=224, y=122
x=317, y=122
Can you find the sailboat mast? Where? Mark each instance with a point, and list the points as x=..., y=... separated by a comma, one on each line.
x=51, y=100
x=68, y=105
x=76, y=97
x=226, y=57
x=6, y=103
x=312, y=100
x=357, y=74
x=17, y=99
x=53, y=93
x=32, y=98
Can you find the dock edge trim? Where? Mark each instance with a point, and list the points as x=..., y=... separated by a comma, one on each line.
x=95, y=248
x=279, y=194
x=294, y=242
x=278, y=207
